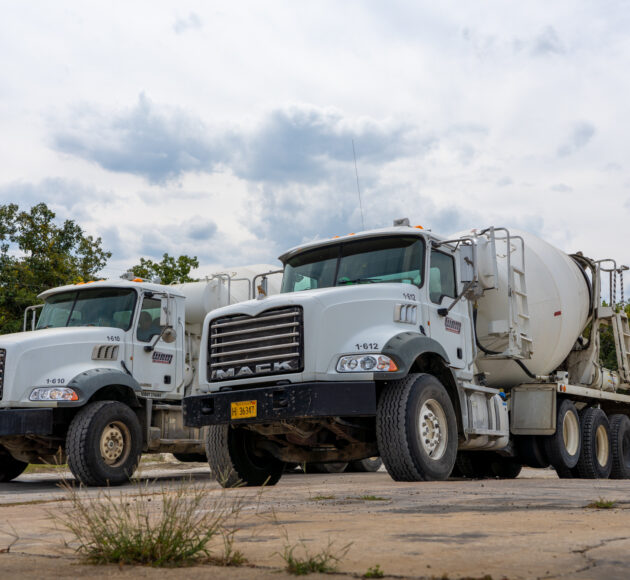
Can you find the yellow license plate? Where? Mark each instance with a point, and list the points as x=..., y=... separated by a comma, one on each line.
x=243, y=409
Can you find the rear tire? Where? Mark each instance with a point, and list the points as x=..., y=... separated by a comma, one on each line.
x=487, y=464
x=234, y=459
x=564, y=446
x=416, y=429
x=368, y=465
x=473, y=464
x=10, y=468
x=334, y=467
x=595, y=461
x=531, y=451
x=190, y=457
x=104, y=443
x=620, y=442
x=505, y=467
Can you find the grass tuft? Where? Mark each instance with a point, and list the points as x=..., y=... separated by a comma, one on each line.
x=374, y=572
x=602, y=504
x=322, y=497
x=324, y=562
x=369, y=498
x=174, y=526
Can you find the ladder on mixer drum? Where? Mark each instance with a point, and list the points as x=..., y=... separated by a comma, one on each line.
x=520, y=341
x=621, y=333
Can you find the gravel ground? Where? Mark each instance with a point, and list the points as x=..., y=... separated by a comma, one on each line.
x=535, y=526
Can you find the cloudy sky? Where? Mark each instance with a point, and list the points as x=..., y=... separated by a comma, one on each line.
x=226, y=130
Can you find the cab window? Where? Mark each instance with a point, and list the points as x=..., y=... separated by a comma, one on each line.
x=149, y=320
x=441, y=277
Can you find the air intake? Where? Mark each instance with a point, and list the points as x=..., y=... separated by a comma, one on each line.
x=105, y=352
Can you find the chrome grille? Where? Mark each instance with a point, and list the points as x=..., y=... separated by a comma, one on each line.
x=3, y=356
x=268, y=344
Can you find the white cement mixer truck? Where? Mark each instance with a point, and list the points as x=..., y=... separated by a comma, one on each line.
x=471, y=354
x=100, y=377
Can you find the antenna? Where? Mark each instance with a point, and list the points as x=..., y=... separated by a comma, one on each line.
x=356, y=171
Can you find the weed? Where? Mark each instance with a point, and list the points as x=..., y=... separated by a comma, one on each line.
x=602, y=504
x=322, y=497
x=44, y=467
x=446, y=577
x=325, y=561
x=375, y=572
x=172, y=527
x=369, y=498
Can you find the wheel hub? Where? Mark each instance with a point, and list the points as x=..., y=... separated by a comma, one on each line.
x=571, y=433
x=113, y=443
x=601, y=445
x=433, y=429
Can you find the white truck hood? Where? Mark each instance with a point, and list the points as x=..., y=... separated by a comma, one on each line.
x=52, y=356
x=334, y=324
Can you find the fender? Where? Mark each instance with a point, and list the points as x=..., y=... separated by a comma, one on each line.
x=88, y=383
x=405, y=348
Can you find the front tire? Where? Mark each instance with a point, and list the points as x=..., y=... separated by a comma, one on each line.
x=104, y=443
x=10, y=468
x=416, y=429
x=234, y=459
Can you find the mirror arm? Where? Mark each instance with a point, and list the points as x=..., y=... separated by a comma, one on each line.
x=151, y=347
x=445, y=311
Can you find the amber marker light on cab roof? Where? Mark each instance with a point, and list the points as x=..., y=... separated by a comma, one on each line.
x=418, y=227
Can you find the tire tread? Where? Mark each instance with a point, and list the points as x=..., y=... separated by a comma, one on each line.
x=390, y=430
x=618, y=425
x=80, y=462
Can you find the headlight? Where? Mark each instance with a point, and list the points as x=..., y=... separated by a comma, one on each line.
x=365, y=363
x=53, y=394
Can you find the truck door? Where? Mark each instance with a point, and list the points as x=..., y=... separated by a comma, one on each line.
x=155, y=369
x=450, y=330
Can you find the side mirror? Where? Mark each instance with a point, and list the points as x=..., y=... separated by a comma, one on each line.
x=169, y=335
x=165, y=314
x=466, y=264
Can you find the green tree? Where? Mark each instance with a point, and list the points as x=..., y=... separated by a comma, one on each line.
x=170, y=270
x=36, y=254
x=607, y=350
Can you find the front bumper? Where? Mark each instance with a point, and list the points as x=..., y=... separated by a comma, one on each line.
x=283, y=402
x=26, y=421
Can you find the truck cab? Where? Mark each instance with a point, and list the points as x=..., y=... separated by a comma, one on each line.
x=299, y=377
x=99, y=378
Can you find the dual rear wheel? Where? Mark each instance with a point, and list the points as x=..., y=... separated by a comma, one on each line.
x=587, y=445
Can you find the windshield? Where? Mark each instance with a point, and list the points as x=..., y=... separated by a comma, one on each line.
x=390, y=259
x=98, y=307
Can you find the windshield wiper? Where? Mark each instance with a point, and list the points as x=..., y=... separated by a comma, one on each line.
x=356, y=280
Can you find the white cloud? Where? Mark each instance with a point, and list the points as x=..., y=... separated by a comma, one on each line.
x=240, y=143
x=190, y=22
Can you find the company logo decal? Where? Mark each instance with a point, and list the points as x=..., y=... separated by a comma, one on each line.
x=233, y=372
x=162, y=357
x=452, y=325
